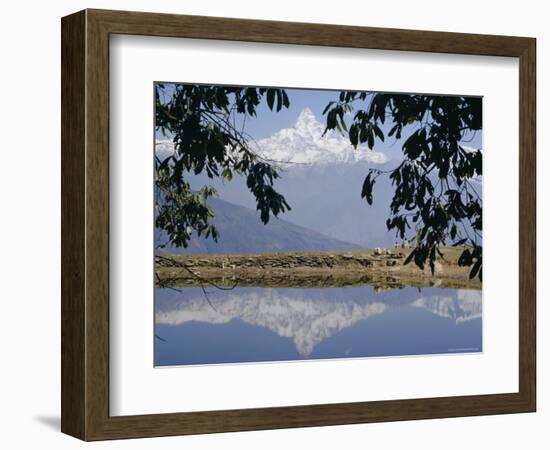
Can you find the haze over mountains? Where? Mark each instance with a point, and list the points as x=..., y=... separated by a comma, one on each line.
x=241, y=231
x=321, y=178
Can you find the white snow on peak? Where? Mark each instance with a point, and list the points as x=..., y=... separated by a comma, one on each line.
x=164, y=148
x=304, y=143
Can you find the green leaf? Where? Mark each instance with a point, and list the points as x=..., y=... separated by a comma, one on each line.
x=366, y=191
x=344, y=126
x=270, y=98
x=354, y=135
x=279, y=100
x=432, y=260
x=329, y=105
x=410, y=257
x=370, y=140
x=378, y=132
x=286, y=101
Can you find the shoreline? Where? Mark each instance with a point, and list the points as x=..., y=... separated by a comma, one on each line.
x=382, y=268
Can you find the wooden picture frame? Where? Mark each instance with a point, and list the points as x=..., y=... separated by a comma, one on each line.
x=85, y=224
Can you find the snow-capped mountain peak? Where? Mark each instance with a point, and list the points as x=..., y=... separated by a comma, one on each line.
x=307, y=123
x=304, y=143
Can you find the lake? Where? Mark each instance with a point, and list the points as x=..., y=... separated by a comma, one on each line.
x=251, y=324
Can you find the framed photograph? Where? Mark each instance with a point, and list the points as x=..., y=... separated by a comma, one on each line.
x=271, y=225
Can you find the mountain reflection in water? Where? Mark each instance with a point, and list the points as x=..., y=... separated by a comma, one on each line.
x=249, y=324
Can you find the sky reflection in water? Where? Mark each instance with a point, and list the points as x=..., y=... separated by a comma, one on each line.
x=279, y=324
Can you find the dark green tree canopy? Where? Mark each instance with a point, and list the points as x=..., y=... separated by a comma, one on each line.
x=206, y=124
x=434, y=198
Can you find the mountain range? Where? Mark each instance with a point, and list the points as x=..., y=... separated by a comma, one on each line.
x=321, y=178
x=324, y=198
x=304, y=143
x=241, y=231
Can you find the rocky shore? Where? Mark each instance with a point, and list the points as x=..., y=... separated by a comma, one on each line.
x=311, y=269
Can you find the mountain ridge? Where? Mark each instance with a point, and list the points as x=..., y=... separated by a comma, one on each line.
x=241, y=231
x=302, y=144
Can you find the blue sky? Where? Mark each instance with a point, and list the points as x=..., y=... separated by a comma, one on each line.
x=268, y=122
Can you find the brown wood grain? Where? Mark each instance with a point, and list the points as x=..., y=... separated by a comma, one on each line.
x=527, y=223
x=73, y=273
x=85, y=224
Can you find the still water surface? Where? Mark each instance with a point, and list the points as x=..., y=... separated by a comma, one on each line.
x=249, y=324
